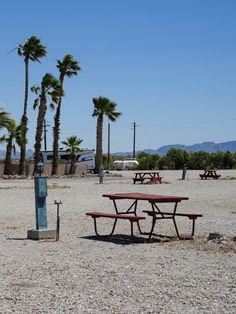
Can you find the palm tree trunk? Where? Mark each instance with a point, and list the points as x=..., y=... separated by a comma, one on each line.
x=98, y=158
x=39, y=131
x=24, y=121
x=56, y=134
x=72, y=165
x=7, y=162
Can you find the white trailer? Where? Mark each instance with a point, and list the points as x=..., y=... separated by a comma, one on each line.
x=127, y=164
x=84, y=157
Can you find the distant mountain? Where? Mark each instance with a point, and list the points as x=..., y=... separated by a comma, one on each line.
x=209, y=147
x=29, y=153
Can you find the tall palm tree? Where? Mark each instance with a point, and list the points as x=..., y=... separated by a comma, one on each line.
x=13, y=138
x=69, y=67
x=5, y=119
x=102, y=106
x=50, y=86
x=31, y=50
x=72, y=143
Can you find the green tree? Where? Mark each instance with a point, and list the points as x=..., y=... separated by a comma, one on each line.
x=228, y=160
x=143, y=160
x=31, y=50
x=216, y=160
x=5, y=119
x=50, y=87
x=13, y=138
x=199, y=160
x=148, y=161
x=178, y=157
x=102, y=106
x=72, y=143
x=67, y=67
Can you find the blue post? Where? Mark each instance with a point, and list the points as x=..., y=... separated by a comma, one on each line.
x=41, y=192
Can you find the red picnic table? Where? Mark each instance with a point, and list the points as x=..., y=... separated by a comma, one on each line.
x=150, y=176
x=155, y=212
x=209, y=174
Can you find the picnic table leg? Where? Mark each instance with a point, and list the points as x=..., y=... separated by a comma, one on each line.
x=129, y=210
x=106, y=235
x=132, y=228
x=174, y=221
x=176, y=228
x=139, y=228
x=193, y=225
x=152, y=228
x=135, y=204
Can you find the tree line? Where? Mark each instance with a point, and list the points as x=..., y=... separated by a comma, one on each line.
x=174, y=159
x=49, y=93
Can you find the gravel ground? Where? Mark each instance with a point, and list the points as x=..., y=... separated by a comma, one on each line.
x=84, y=274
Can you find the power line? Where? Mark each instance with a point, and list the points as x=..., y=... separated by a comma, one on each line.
x=189, y=122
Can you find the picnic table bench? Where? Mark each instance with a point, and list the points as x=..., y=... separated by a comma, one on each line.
x=209, y=174
x=168, y=215
x=129, y=217
x=152, y=177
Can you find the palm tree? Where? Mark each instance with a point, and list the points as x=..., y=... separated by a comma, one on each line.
x=5, y=119
x=102, y=106
x=67, y=67
x=50, y=86
x=13, y=138
x=72, y=144
x=31, y=50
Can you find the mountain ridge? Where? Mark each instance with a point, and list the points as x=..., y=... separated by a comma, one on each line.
x=209, y=147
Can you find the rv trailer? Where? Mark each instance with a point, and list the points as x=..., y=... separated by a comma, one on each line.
x=84, y=157
x=127, y=164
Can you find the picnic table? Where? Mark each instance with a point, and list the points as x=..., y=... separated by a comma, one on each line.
x=155, y=212
x=209, y=174
x=151, y=177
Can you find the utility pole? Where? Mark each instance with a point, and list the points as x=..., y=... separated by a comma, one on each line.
x=45, y=133
x=134, y=140
x=108, y=150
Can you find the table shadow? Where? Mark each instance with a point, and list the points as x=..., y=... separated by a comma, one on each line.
x=119, y=239
x=19, y=239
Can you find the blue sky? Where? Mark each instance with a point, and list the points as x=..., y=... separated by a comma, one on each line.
x=170, y=65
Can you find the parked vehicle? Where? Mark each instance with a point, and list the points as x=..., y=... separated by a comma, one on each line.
x=84, y=157
x=127, y=164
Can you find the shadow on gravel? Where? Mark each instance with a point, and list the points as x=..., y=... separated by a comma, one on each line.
x=119, y=239
x=122, y=239
x=21, y=239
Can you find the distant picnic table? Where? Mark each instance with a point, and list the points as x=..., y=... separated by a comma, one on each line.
x=209, y=174
x=151, y=177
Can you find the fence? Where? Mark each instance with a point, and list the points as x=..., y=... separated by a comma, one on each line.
x=63, y=169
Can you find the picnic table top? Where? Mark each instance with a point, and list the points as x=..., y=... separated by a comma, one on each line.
x=210, y=170
x=147, y=171
x=155, y=198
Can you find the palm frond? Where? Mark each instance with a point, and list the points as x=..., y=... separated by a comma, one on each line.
x=52, y=106
x=35, y=89
x=36, y=103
